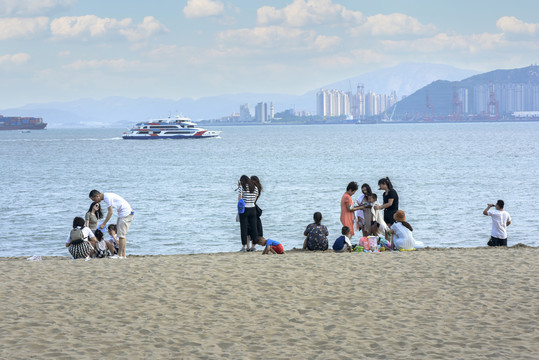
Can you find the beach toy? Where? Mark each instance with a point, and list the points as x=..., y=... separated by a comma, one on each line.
x=364, y=242
x=359, y=248
x=373, y=243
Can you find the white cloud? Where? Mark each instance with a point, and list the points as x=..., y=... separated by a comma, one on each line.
x=278, y=38
x=309, y=12
x=363, y=56
x=202, y=8
x=22, y=27
x=511, y=24
x=91, y=26
x=163, y=51
x=116, y=64
x=323, y=42
x=393, y=24
x=16, y=59
x=444, y=42
x=87, y=25
x=268, y=36
x=33, y=7
x=368, y=56
x=149, y=27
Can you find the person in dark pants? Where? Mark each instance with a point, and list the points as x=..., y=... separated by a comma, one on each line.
x=249, y=193
x=260, y=229
x=391, y=200
x=500, y=221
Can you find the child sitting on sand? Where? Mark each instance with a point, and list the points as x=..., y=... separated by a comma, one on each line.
x=271, y=246
x=343, y=242
x=100, y=245
x=112, y=238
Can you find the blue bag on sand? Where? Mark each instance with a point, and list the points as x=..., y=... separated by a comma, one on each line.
x=241, y=206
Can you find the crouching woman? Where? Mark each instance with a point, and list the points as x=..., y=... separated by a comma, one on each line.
x=401, y=230
x=77, y=241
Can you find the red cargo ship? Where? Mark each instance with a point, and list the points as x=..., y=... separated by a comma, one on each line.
x=21, y=123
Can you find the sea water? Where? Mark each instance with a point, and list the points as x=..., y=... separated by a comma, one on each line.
x=183, y=194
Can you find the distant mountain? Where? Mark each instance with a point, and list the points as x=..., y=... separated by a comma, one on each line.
x=529, y=74
x=120, y=111
x=441, y=93
x=404, y=78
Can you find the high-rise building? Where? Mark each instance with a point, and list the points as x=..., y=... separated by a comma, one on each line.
x=245, y=113
x=370, y=103
x=261, y=112
x=332, y=103
x=463, y=97
x=322, y=99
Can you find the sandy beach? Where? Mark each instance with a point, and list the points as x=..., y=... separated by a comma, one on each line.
x=432, y=304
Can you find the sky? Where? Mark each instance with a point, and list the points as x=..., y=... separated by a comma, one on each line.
x=63, y=50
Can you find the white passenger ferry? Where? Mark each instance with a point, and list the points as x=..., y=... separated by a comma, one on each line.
x=170, y=128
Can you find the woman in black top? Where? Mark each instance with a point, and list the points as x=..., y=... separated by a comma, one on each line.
x=391, y=200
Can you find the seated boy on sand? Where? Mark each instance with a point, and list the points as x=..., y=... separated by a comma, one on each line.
x=343, y=242
x=271, y=246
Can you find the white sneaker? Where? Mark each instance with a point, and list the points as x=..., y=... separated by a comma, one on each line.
x=243, y=249
x=88, y=258
x=114, y=256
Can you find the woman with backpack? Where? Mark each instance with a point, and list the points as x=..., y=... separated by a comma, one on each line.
x=77, y=241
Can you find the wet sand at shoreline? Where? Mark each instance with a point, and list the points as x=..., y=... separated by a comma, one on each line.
x=432, y=304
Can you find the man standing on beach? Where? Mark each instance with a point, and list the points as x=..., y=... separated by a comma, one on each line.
x=500, y=221
x=125, y=216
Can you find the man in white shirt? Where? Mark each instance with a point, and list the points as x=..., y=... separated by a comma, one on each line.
x=125, y=215
x=500, y=221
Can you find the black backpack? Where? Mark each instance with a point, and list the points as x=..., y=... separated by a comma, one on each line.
x=77, y=236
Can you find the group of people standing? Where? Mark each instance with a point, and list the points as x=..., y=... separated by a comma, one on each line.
x=365, y=215
x=86, y=239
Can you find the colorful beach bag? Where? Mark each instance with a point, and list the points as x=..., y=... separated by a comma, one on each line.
x=373, y=243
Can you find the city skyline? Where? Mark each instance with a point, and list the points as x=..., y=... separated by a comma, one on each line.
x=62, y=50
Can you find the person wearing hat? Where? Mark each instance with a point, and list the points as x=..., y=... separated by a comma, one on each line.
x=402, y=232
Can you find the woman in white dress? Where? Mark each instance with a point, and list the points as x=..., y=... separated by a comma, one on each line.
x=402, y=232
